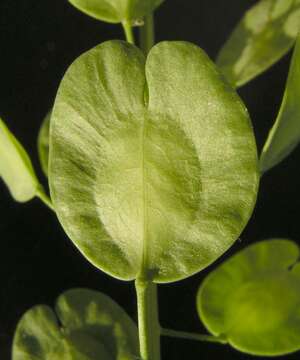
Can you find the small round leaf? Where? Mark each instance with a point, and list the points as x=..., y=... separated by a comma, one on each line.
x=87, y=325
x=116, y=11
x=253, y=299
x=153, y=168
x=15, y=167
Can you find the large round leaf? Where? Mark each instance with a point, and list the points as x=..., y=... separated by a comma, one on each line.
x=116, y=11
x=266, y=32
x=87, y=326
x=253, y=299
x=153, y=172
x=15, y=167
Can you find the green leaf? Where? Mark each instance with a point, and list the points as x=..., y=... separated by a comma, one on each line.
x=43, y=143
x=285, y=134
x=116, y=11
x=153, y=172
x=15, y=167
x=253, y=299
x=87, y=325
x=266, y=33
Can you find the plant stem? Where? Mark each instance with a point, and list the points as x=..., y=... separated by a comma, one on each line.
x=149, y=329
x=193, y=336
x=44, y=197
x=128, y=32
x=147, y=35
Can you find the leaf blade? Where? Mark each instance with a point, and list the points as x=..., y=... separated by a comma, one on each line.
x=87, y=325
x=116, y=11
x=285, y=134
x=43, y=143
x=15, y=167
x=148, y=189
x=266, y=33
x=252, y=299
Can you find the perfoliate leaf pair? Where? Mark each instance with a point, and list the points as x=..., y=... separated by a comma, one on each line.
x=267, y=32
x=15, y=167
x=253, y=299
x=153, y=167
x=285, y=134
x=116, y=11
x=86, y=325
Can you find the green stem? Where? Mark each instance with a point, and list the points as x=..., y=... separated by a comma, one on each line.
x=128, y=32
x=147, y=35
x=193, y=336
x=149, y=329
x=44, y=197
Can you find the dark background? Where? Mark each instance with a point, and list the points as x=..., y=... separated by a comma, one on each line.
x=38, y=40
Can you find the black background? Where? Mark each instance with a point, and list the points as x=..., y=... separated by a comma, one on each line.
x=38, y=40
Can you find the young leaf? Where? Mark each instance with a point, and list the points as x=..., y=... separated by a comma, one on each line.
x=285, y=134
x=87, y=325
x=153, y=172
x=266, y=33
x=253, y=299
x=15, y=167
x=116, y=11
x=43, y=143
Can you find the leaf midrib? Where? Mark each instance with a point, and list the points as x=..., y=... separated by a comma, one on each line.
x=144, y=198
